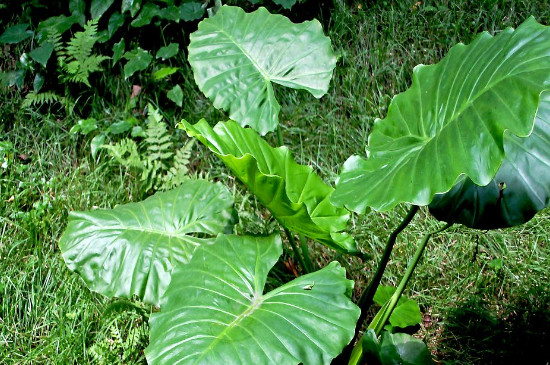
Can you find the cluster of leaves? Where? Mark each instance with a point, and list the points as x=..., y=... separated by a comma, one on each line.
x=75, y=61
x=122, y=332
x=177, y=244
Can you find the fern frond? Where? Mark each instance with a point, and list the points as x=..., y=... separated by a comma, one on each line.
x=76, y=59
x=151, y=175
x=179, y=172
x=54, y=37
x=47, y=97
x=126, y=153
x=158, y=142
x=81, y=44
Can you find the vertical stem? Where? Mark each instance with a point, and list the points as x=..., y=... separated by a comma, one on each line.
x=306, y=265
x=366, y=298
x=305, y=252
x=410, y=269
x=297, y=255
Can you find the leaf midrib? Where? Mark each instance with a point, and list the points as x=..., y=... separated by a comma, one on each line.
x=181, y=233
x=263, y=72
x=254, y=305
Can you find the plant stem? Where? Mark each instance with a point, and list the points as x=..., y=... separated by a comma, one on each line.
x=366, y=298
x=297, y=255
x=307, y=266
x=402, y=285
x=305, y=252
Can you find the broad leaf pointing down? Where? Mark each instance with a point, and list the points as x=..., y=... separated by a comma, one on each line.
x=237, y=56
x=451, y=121
x=519, y=190
x=296, y=196
x=215, y=310
x=132, y=249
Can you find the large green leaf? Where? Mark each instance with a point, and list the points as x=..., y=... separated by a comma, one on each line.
x=452, y=121
x=519, y=190
x=132, y=249
x=215, y=312
x=237, y=56
x=296, y=196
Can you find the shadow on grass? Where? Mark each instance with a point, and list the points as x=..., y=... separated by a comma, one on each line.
x=477, y=333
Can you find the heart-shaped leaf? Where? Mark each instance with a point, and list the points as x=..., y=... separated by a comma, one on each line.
x=519, y=190
x=168, y=51
x=176, y=95
x=237, y=56
x=191, y=11
x=16, y=34
x=42, y=53
x=138, y=60
x=452, y=121
x=296, y=196
x=215, y=310
x=132, y=249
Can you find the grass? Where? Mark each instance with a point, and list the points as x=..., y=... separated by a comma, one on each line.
x=484, y=295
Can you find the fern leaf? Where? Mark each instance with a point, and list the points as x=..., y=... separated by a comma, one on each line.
x=76, y=59
x=47, y=97
x=158, y=142
x=126, y=153
x=179, y=172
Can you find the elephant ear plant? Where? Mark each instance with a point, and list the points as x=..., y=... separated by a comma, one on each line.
x=482, y=111
x=237, y=57
x=456, y=124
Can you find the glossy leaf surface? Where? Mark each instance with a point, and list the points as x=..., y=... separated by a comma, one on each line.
x=237, y=56
x=519, y=190
x=296, y=196
x=215, y=310
x=132, y=249
x=451, y=121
